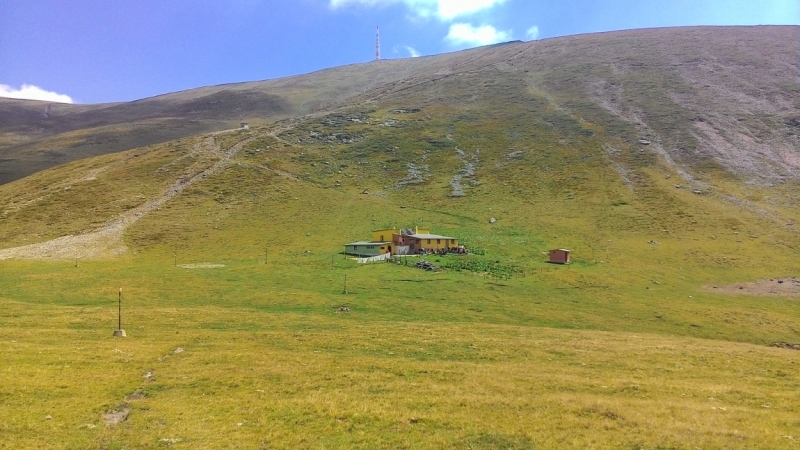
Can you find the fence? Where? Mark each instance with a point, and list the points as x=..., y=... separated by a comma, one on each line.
x=382, y=257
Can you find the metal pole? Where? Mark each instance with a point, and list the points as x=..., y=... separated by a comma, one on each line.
x=119, y=310
x=266, y=255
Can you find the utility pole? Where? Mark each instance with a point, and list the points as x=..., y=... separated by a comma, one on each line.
x=377, y=43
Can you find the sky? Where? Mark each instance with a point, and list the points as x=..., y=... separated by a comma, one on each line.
x=97, y=51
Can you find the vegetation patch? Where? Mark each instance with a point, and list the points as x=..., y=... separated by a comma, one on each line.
x=480, y=265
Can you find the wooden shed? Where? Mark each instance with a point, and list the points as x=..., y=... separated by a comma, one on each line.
x=559, y=256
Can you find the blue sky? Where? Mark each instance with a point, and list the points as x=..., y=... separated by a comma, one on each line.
x=92, y=51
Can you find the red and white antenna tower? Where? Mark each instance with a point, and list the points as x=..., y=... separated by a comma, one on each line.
x=377, y=43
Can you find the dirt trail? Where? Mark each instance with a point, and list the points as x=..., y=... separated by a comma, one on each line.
x=107, y=241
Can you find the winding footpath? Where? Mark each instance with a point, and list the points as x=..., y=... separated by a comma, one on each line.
x=107, y=241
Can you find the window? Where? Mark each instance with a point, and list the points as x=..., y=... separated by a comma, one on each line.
x=429, y=241
x=438, y=241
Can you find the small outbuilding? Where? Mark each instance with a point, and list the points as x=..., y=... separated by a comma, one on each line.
x=559, y=256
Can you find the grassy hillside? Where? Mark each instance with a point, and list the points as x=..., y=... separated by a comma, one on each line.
x=241, y=334
x=697, y=93
x=31, y=141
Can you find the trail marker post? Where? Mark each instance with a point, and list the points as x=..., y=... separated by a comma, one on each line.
x=119, y=332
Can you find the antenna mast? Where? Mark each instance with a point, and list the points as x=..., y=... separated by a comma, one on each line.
x=377, y=43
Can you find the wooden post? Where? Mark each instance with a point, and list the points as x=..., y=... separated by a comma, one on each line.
x=119, y=332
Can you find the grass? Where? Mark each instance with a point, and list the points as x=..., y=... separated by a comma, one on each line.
x=623, y=348
x=403, y=368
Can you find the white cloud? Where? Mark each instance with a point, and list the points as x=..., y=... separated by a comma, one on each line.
x=31, y=92
x=464, y=33
x=445, y=10
x=533, y=33
x=411, y=51
x=450, y=9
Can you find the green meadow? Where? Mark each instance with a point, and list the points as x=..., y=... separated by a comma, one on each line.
x=418, y=359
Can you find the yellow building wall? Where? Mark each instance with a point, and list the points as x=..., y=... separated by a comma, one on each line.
x=434, y=245
x=384, y=235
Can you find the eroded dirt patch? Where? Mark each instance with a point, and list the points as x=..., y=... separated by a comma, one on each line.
x=781, y=287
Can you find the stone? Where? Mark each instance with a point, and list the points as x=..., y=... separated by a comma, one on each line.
x=116, y=415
